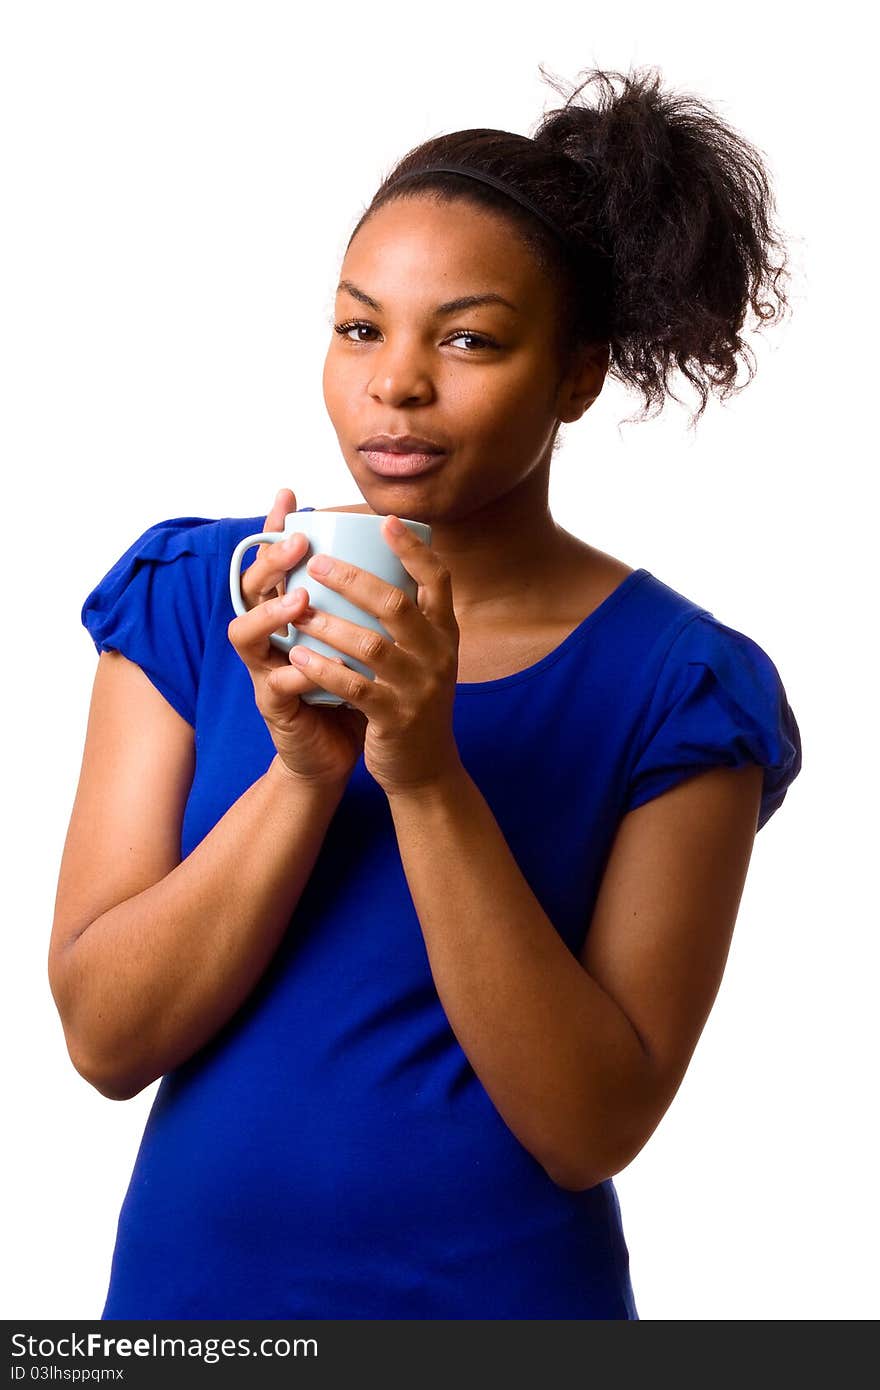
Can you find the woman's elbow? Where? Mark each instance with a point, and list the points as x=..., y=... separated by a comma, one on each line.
x=105, y=1080
x=105, y=1076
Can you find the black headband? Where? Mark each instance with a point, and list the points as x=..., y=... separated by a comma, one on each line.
x=496, y=183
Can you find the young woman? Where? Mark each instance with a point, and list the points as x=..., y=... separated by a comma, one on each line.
x=422, y=972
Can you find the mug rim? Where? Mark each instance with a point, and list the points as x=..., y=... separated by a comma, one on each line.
x=353, y=516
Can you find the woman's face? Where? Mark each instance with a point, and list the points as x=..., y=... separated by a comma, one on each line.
x=482, y=381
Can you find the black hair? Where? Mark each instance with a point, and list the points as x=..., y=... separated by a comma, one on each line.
x=668, y=214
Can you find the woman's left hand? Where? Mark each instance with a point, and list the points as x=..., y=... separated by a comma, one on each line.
x=409, y=743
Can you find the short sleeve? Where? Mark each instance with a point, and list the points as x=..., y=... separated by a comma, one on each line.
x=718, y=702
x=154, y=604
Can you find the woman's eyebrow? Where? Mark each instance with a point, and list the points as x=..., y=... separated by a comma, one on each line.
x=451, y=306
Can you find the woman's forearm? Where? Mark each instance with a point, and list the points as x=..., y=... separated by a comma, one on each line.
x=151, y=980
x=560, y=1061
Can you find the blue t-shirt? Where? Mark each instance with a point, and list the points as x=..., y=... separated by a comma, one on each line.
x=331, y=1153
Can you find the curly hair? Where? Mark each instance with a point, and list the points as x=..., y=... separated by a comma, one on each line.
x=669, y=220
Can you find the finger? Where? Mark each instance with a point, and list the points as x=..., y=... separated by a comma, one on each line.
x=384, y=658
x=281, y=684
x=262, y=585
x=399, y=615
x=425, y=566
x=249, y=633
x=287, y=680
x=274, y=561
x=285, y=501
x=332, y=674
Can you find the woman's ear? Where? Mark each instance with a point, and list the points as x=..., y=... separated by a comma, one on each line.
x=583, y=381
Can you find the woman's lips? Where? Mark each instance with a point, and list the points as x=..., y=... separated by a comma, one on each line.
x=401, y=465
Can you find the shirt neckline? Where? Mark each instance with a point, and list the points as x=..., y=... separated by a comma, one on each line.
x=576, y=635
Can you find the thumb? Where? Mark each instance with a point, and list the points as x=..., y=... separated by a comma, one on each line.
x=285, y=501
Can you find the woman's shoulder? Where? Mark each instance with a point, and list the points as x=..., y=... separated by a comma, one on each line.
x=154, y=604
x=160, y=544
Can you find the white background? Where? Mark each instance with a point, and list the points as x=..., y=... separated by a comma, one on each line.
x=179, y=181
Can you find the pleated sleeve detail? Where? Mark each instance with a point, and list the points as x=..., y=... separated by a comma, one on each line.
x=153, y=606
x=719, y=701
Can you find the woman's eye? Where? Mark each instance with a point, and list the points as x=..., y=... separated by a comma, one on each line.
x=343, y=329
x=350, y=325
x=479, y=338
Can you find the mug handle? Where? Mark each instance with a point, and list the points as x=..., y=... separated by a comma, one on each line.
x=283, y=643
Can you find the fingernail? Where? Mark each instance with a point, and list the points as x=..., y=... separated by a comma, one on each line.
x=395, y=526
x=293, y=542
x=293, y=597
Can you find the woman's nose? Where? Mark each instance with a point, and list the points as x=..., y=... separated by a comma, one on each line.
x=399, y=371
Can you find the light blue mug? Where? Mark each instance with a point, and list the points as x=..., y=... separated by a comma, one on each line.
x=352, y=536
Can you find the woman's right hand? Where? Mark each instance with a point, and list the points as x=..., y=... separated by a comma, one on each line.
x=315, y=743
